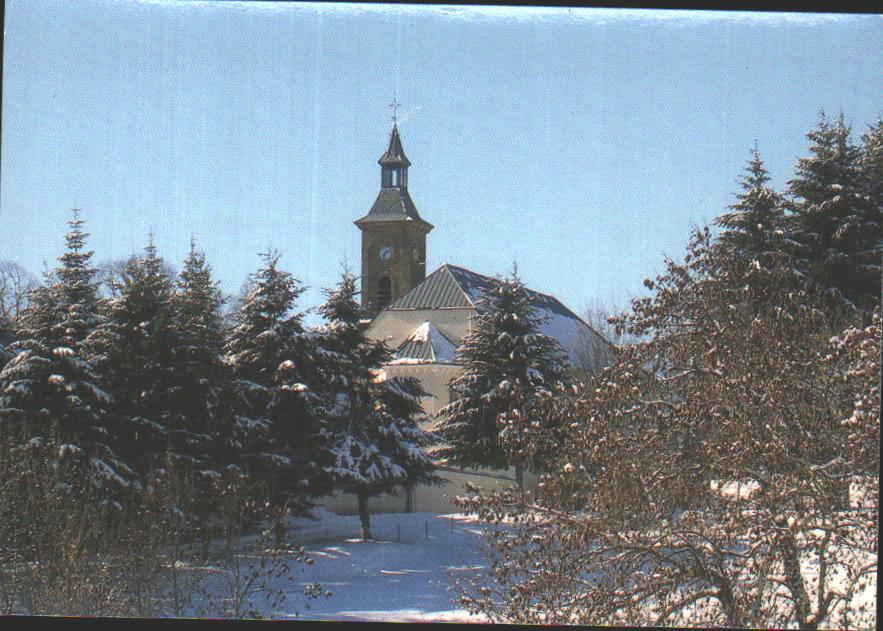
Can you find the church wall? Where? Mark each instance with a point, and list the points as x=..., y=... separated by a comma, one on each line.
x=429, y=498
x=435, y=379
x=440, y=499
x=348, y=503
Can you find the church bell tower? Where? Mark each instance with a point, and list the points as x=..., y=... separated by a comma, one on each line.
x=393, y=234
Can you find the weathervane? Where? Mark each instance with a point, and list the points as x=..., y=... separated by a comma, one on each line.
x=395, y=107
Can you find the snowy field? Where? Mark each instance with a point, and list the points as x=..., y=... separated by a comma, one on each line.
x=408, y=574
x=403, y=576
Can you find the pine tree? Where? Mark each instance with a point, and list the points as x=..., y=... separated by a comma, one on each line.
x=507, y=367
x=838, y=230
x=871, y=167
x=197, y=421
x=132, y=350
x=372, y=421
x=871, y=186
x=273, y=363
x=50, y=395
x=24, y=382
x=7, y=336
x=754, y=226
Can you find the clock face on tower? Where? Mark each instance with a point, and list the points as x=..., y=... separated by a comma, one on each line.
x=385, y=253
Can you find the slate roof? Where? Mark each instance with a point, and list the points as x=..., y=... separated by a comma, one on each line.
x=426, y=345
x=393, y=204
x=395, y=153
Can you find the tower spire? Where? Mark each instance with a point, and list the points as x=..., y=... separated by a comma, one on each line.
x=395, y=108
x=393, y=233
x=394, y=163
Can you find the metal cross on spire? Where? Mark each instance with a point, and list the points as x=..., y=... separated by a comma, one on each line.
x=395, y=107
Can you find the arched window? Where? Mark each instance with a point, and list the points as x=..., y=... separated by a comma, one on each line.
x=384, y=292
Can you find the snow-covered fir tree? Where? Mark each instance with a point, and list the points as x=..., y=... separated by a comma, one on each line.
x=871, y=171
x=837, y=227
x=372, y=421
x=7, y=335
x=754, y=225
x=132, y=350
x=508, y=365
x=274, y=368
x=196, y=423
x=24, y=381
x=49, y=396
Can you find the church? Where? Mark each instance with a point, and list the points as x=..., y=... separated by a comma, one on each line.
x=424, y=318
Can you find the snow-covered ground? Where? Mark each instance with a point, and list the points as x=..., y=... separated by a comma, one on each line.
x=408, y=574
x=403, y=576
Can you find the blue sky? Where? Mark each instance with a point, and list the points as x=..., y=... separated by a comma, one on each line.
x=581, y=143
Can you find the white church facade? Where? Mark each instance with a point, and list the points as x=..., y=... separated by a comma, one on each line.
x=424, y=318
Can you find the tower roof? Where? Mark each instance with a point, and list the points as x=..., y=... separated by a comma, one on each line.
x=395, y=153
x=393, y=204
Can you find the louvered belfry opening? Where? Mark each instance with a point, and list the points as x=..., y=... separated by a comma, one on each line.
x=394, y=163
x=394, y=177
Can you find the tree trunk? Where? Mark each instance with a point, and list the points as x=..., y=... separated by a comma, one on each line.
x=794, y=581
x=841, y=493
x=519, y=476
x=279, y=530
x=364, y=515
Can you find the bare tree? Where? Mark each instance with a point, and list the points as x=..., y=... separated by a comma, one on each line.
x=15, y=283
x=111, y=275
x=598, y=348
x=61, y=554
x=702, y=480
x=250, y=571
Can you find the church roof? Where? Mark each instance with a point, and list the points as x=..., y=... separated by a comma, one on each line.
x=439, y=290
x=395, y=153
x=392, y=204
x=426, y=345
x=453, y=287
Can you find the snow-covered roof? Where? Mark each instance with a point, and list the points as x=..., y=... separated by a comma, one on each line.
x=453, y=287
x=426, y=345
